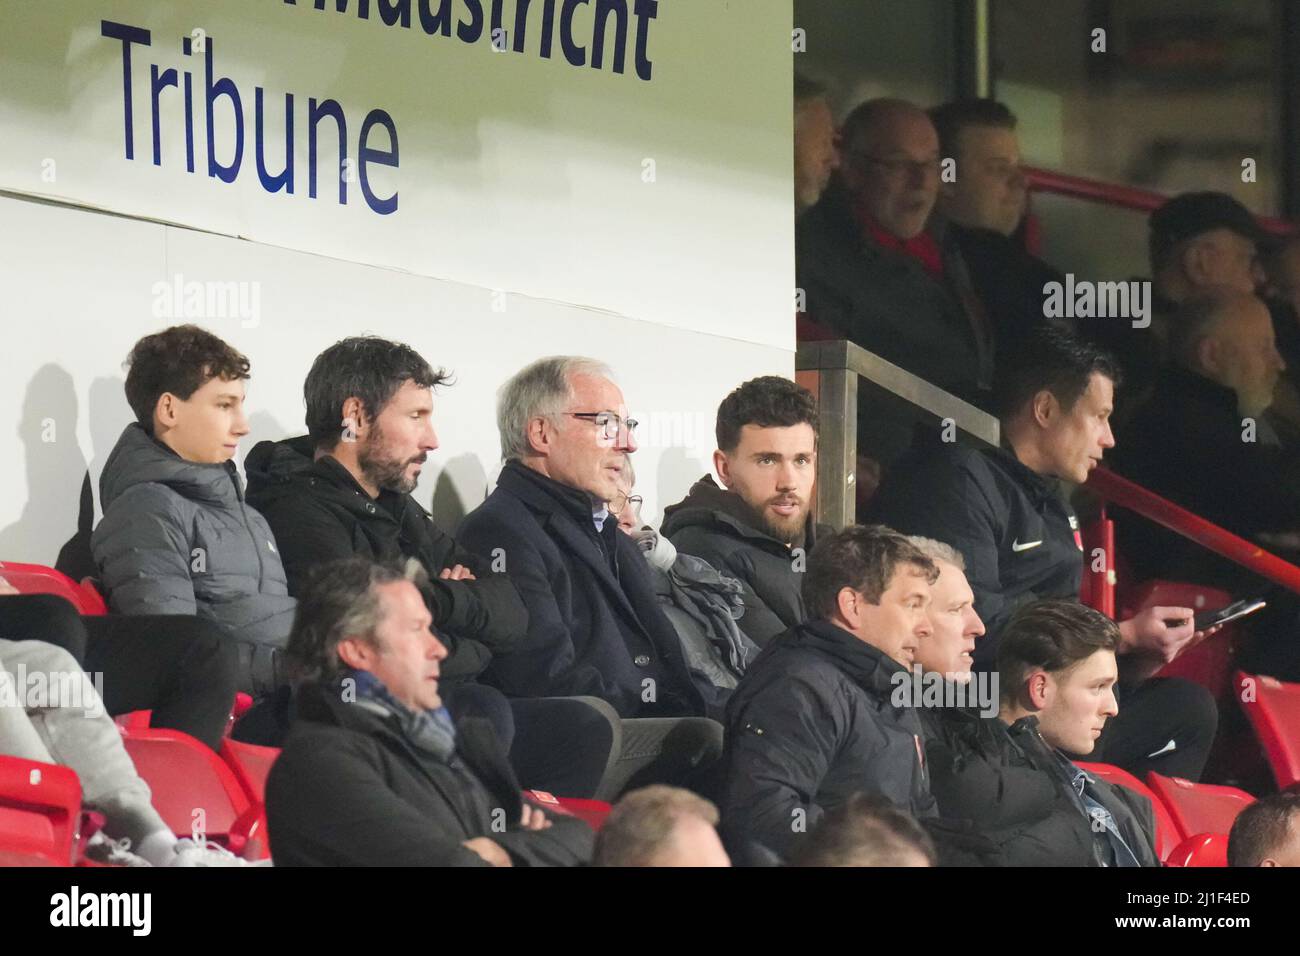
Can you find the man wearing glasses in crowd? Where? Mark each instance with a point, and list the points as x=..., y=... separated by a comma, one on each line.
x=595, y=626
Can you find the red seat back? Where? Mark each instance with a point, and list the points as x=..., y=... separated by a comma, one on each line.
x=1209, y=663
x=250, y=764
x=1098, y=588
x=186, y=777
x=39, y=579
x=1203, y=849
x=1273, y=709
x=40, y=805
x=1199, y=807
x=1167, y=835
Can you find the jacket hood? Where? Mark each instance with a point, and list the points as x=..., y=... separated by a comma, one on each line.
x=710, y=506
x=272, y=463
x=868, y=667
x=139, y=459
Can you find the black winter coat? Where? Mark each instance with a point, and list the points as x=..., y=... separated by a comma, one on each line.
x=349, y=790
x=1018, y=534
x=714, y=524
x=319, y=513
x=812, y=723
x=594, y=623
x=1007, y=787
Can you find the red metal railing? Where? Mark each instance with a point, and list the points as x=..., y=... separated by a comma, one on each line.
x=1126, y=494
x=1110, y=194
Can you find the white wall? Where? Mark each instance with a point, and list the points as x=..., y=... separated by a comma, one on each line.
x=521, y=184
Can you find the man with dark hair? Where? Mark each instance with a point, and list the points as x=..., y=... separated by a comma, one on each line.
x=177, y=536
x=1004, y=510
x=866, y=830
x=872, y=274
x=988, y=190
x=595, y=626
x=815, y=153
x=1267, y=833
x=1058, y=676
x=758, y=527
x=812, y=721
x=375, y=772
x=660, y=826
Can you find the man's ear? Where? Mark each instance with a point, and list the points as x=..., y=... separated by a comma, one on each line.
x=356, y=653
x=354, y=416
x=1198, y=262
x=1038, y=689
x=1044, y=407
x=538, y=433
x=1209, y=355
x=164, y=411
x=847, y=602
x=722, y=465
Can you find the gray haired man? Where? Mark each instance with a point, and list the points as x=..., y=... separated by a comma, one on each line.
x=595, y=625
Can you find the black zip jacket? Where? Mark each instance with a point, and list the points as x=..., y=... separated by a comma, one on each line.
x=812, y=723
x=319, y=513
x=715, y=524
x=1018, y=534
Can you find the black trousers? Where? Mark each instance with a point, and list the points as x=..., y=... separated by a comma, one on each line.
x=1151, y=715
x=182, y=668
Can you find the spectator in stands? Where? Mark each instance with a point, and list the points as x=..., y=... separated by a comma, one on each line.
x=979, y=771
x=660, y=826
x=815, y=152
x=981, y=208
x=1058, y=676
x=595, y=627
x=66, y=724
x=177, y=536
x=812, y=721
x=375, y=772
x=1282, y=266
x=345, y=489
x=181, y=668
x=866, y=830
x=758, y=527
x=702, y=603
x=1003, y=509
x=870, y=271
x=1267, y=833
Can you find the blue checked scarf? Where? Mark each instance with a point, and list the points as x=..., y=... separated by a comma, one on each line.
x=429, y=731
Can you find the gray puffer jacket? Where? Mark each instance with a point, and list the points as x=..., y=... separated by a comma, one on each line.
x=178, y=538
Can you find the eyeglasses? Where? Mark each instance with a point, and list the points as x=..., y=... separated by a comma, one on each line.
x=621, y=501
x=608, y=422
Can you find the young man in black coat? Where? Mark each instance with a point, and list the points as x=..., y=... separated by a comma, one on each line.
x=595, y=625
x=814, y=719
x=375, y=772
x=758, y=526
x=345, y=489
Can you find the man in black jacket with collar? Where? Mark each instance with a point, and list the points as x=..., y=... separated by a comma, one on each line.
x=595, y=625
x=375, y=772
x=814, y=719
x=758, y=527
x=1004, y=510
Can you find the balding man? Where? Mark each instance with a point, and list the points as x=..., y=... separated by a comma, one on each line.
x=872, y=273
x=1202, y=440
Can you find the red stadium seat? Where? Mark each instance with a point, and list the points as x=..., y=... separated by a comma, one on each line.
x=1209, y=663
x=40, y=805
x=38, y=579
x=1203, y=849
x=250, y=764
x=1167, y=835
x=187, y=777
x=593, y=812
x=1273, y=709
x=1199, y=807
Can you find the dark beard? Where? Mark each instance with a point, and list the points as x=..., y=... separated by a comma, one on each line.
x=792, y=537
x=388, y=474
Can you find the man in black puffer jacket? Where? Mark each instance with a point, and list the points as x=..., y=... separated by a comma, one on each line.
x=758, y=528
x=813, y=720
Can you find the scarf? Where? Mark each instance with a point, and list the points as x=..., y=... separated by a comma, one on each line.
x=428, y=731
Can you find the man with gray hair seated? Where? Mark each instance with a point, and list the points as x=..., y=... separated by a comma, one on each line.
x=595, y=626
x=661, y=826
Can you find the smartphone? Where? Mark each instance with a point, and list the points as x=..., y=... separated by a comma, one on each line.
x=1237, y=609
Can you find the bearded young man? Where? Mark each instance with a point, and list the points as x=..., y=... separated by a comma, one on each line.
x=757, y=527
